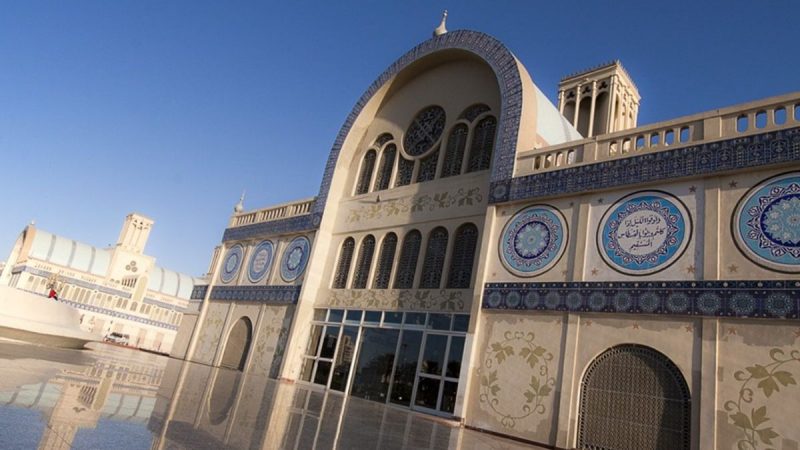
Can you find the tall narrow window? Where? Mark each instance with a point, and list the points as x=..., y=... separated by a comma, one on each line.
x=343, y=266
x=385, y=170
x=366, y=173
x=405, y=169
x=407, y=265
x=364, y=262
x=427, y=167
x=434, y=259
x=463, y=258
x=480, y=153
x=454, y=154
x=385, y=261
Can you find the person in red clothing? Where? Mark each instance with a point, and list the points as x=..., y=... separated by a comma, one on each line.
x=52, y=294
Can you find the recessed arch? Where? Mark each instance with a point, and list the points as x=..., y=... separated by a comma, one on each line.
x=237, y=345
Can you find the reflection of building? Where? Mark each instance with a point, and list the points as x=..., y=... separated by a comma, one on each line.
x=494, y=265
x=117, y=289
x=77, y=397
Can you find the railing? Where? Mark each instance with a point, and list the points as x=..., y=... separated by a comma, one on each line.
x=286, y=210
x=741, y=120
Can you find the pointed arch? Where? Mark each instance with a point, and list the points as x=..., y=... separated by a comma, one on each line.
x=343, y=266
x=364, y=262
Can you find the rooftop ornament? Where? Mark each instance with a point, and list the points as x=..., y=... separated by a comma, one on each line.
x=239, y=206
x=441, y=29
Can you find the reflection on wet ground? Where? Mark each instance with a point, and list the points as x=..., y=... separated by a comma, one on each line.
x=111, y=397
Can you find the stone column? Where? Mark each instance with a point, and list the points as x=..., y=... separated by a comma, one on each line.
x=591, y=110
x=577, y=105
x=561, y=101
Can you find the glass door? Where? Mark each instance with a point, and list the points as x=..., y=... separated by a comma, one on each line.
x=374, y=365
x=437, y=377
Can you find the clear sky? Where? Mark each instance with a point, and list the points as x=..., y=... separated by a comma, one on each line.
x=172, y=108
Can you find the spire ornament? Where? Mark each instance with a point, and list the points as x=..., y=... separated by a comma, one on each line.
x=442, y=28
x=239, y=206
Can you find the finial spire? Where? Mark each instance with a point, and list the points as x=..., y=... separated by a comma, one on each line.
x=240, y=206
x=442, y=28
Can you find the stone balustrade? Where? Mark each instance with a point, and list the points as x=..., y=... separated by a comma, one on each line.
x=283, y=211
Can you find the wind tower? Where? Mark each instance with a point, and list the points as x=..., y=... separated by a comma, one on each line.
x=599, y=100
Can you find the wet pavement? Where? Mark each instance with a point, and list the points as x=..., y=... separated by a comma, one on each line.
x=111, y=397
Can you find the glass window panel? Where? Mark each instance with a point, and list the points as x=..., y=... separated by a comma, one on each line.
x=427, y=167
x=480, y=153
x=434, y=259
x=329, y=342
x=319, y=314
x=433, y=358
x=353, y=315
x=372, y=316
x=407, y=264
x=313, y=342
x=344, y=357
x=393, y=317
x=461, y=322
x=449, y=396
x=343, y=266
x=323, y=370
x=385, y=171
x=385, y=261
x=439, y=321
x=374, y=365
x=460, y=274
x=364, y=262
x=405, y=169
x=366, y=172
x=427, y=392
x=454, y=359
x=406, y=368
x=415, y=319
x=335, y=315
x=308, y=367
x=454, y=153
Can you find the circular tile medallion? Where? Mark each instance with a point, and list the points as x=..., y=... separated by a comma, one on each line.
x=533, y=240
x=260, y=261
x=644, y=232
x=231, y=263
x=295, y=258
x=766, y=223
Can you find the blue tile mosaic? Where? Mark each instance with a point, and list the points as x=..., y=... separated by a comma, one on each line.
x=73, y=281
x=263, y=229
x=199, y=292
x=264, y=294
x=533, y=240
x=505, y=68
x=756, y=299
x=113, y=313
x=695, y=160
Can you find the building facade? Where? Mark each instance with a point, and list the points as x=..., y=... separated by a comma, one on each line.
x=472, y=255
x=117, y=289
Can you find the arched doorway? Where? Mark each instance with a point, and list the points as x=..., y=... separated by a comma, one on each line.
x=634, y=397
x=238, y=345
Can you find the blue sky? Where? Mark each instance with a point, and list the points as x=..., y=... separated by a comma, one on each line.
x=172, y=108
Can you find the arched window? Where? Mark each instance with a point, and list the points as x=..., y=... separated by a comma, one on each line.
x=454, y=153
x=480, y=153
x=385, y=261
x=407, y=265
x=463, y=258
x=385, y=170
x=434, y=259
x=405, y=170
x=343, y=267
x=364, y=262
x=367, y=165
x=474, y=111
x=427, y=167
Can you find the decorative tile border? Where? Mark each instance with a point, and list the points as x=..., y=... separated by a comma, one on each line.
x=447, y=300
x=160, y=304
x=731, y=154
x=268, y=294
x=505, y=68
x=119, y=315
x=74, y=281
x=199, y=292
x=759, y=299
x=290, y=225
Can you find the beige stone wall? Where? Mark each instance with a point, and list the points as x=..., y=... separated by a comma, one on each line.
x=210, y=333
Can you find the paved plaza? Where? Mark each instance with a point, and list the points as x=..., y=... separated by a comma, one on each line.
x=111, y=397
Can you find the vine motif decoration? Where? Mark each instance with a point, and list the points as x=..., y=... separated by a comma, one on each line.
x=522, y=346
x=416, y=204
x=769, y=378
x=423, y=300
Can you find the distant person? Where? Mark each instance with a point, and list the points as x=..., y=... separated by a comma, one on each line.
x=53, y=294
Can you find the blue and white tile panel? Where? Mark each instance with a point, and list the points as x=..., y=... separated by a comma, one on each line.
x=74, y=281
x=757, y=299
x=120, y=315
x=267, y=294
x=199, y=292
x=695, y=160
x=282, y=226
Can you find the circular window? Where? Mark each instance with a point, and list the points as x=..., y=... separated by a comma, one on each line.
x=230, y=266
x=260, y=261
x=424, y=131
x=295, y=258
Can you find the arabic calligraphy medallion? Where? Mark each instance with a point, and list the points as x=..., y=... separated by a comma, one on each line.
x=644, y=232
x=766, y=223
x=533, y=240
x=295, y=258
x=230, y=266
x=260, y=261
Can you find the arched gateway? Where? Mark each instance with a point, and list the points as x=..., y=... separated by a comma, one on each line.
x=238, y=345
x=633, y=397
